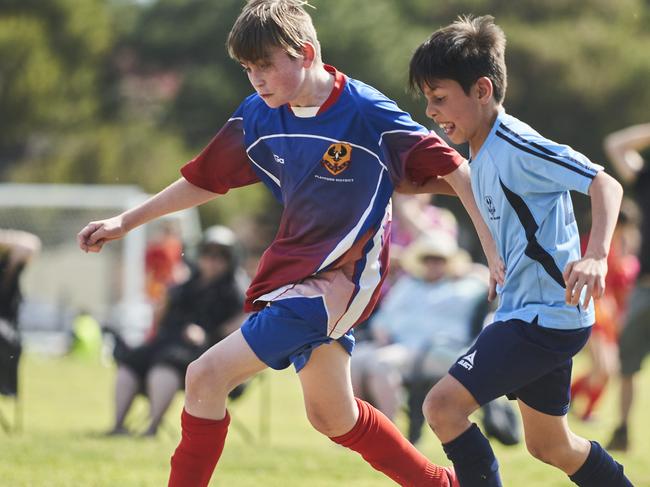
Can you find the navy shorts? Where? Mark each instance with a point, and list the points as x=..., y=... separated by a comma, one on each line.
x=286, y=332
x=522, y=361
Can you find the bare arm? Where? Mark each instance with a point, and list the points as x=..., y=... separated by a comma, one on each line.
x=177, y=196
x=622, y=148
x=606, y=194
x=459, y=180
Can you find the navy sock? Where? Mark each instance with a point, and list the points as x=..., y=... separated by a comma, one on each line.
x=600, y=470
x=473, y=459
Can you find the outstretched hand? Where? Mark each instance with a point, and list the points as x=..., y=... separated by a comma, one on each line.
x=94, y=235
x=589, y=272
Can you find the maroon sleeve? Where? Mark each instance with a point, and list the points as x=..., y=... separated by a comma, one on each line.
x=431, y=157
x=223, y=164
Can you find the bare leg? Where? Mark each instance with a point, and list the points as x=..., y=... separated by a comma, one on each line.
x=549, y=439
x=205, y=420
x=355, y=424
x=327, y=390
x=218, y=371
x=163, y=382
x=127, y=387
x=447, y=408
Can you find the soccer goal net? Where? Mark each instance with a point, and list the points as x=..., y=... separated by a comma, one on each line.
x=63, y=281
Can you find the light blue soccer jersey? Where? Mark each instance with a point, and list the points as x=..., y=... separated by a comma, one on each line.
x=521, y=182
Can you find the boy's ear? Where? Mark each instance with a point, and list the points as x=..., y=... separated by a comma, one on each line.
x=309, y=54
x=484, y=89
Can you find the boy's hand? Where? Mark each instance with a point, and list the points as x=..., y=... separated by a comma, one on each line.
x=589, y=272
x=94, y=235
x=497, y=275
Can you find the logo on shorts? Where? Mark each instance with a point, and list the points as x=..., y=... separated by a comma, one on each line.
x=337, y=158
x=467, y=361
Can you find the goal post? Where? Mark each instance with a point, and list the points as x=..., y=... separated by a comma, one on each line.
x=63, y=281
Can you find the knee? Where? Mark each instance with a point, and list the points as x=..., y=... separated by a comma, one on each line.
x=328, y=422
x=438, y=409
x=200, y=377
x=552, y=454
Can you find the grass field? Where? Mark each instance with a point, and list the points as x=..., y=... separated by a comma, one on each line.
x=67, y=403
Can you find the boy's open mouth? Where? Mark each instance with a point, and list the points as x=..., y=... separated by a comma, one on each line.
x=447, y=127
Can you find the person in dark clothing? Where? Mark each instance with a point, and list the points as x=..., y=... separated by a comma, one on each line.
x=16, y=249
x=628, y=150
x=198, y=314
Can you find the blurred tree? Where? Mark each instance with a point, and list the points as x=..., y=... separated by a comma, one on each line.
x=49, y=58
x=104, y=90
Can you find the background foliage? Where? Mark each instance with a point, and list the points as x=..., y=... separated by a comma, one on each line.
x=126, y=91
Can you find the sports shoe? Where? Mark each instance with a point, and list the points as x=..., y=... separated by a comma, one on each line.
x=619, y=441
x=451, y=475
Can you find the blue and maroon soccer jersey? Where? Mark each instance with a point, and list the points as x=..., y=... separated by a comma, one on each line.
x=334, y=173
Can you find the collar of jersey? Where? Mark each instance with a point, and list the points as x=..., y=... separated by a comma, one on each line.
x=339, y=84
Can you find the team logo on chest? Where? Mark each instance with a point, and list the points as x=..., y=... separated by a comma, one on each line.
x=491, y=208
x=337, y=158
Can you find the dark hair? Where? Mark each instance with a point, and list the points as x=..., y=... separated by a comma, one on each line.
x=464, y=51
x=271, y=23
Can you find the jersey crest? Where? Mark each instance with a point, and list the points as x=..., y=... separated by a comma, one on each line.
x=337, y=158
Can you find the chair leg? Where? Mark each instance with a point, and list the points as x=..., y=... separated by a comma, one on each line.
x=14, y=426
x=4, y=423
x=265, y=407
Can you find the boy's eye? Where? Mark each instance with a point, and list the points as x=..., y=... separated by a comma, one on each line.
x=439, y=99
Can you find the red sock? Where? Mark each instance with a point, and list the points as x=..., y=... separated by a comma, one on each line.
x=382, y=445
x=594, y=394
x=197, y=454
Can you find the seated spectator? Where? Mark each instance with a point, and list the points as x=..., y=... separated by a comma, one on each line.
x=198, y=314
x=405, y=325
x=16, y=249
x=430, y=316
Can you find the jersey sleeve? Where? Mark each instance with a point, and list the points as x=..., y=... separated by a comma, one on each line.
x=548, y=167
x=223, y=164
x=410, y=151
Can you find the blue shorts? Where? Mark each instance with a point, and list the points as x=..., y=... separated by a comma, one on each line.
x=286, y=332
x=522, y=361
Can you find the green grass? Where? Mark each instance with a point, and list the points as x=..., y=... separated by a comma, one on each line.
x=68, y=402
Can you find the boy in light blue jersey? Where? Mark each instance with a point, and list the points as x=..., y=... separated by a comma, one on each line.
x=521, y=182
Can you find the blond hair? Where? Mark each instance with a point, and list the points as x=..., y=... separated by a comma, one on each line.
x=263, y=24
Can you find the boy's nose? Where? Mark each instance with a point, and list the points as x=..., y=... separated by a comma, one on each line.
x=431, y=111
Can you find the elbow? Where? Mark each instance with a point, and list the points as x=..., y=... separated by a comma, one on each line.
x=607, y=185
x=619, y=189
x=615, y=189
